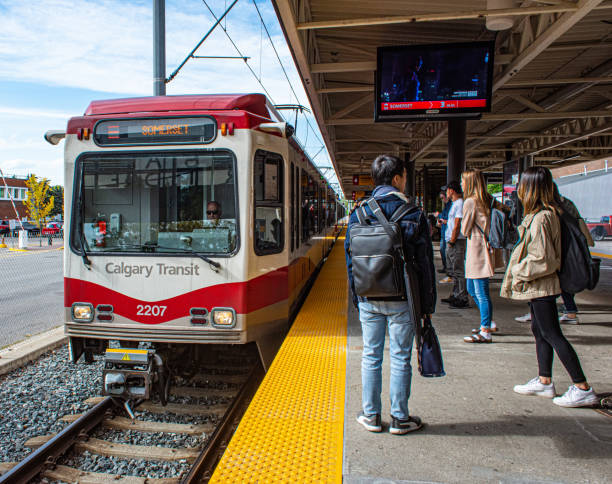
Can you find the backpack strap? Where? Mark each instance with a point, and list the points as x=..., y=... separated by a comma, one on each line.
x=402, y=211
x=382, y=220
x=361, y=215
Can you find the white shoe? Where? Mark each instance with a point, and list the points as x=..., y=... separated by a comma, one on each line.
x=575, y=397
x=523, y=319
x=566, y=319
x=536, y=387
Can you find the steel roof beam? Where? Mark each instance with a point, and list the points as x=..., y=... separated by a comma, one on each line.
x=435, y=17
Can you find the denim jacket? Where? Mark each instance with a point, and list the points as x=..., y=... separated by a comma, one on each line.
x=417, y=245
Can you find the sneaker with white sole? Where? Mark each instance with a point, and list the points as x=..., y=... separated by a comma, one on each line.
x=446, y=280
x=576, y=397
x=566, y=319
x=523, y=319
x=536, y=387
x=371, y=423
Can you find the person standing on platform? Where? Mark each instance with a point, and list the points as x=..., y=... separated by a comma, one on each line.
x=532, y=276
x=455, y=248
x=393, y=313
x=442, y=219
x=481, y=260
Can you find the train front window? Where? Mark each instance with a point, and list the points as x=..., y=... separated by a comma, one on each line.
x=156, y=203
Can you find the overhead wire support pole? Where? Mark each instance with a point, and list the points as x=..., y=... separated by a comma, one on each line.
x=159, y=47
x=210, y=31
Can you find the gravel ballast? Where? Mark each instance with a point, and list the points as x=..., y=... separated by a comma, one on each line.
x=34, y=397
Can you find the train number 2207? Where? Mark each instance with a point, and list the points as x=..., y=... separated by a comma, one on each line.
x=148, y=310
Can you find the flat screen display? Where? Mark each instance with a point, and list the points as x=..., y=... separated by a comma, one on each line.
x=433, y=81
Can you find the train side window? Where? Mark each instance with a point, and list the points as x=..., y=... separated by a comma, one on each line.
x=291, y=215
x=269, y=218
x=296, y=207
x=305, y=206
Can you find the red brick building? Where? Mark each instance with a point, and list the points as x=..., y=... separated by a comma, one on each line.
x=15, y=187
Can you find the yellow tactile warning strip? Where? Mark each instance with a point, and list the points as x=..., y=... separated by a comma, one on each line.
x=293, y=428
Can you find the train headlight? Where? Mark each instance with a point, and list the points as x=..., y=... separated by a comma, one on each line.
x=223, y=317
x=82, y=312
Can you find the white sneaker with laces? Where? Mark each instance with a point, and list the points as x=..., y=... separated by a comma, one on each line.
x=566, y=319
x=536, y=387
x=576, y=397
x=523, y=319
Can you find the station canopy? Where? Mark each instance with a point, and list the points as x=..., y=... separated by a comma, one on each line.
x=552, y=94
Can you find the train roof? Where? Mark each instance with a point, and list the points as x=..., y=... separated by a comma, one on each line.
x=252, y=103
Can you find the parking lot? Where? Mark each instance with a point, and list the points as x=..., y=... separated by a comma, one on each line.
x=31, y=289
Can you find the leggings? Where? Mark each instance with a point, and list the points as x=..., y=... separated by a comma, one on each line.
x=548, y=336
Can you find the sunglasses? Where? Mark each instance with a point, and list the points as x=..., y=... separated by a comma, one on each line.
x=212, y=212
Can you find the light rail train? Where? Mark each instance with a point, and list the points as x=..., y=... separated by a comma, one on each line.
x=190, y=220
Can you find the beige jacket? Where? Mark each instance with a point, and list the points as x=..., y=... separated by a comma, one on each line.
x=480, y=262
x=533, y=266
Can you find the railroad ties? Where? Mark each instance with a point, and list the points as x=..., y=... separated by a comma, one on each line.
x=214, y=391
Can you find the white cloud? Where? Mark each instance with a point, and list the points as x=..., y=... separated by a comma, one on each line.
x=34, y=113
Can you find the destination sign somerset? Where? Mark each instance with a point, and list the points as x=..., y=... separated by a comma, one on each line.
x=155, y=131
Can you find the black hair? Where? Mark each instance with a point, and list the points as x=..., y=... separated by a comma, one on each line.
x=455, y=185
x=385, y=167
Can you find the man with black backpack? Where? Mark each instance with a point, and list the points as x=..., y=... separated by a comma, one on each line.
x=389, y=258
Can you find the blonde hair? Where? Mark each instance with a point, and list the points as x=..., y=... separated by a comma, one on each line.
x=535, y=190
x=474, y=186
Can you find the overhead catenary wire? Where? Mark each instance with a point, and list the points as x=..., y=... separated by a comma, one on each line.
x=210, y=31
x=258, y=78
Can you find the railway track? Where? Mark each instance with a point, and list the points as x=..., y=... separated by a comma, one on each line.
x=84, y=434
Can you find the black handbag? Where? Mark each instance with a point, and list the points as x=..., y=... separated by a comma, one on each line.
x=429, y=351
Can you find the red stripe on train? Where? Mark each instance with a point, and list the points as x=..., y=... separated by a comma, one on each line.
x=244, y=297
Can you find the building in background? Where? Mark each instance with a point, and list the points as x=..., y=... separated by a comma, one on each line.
x=15, y=187
x=588, y=185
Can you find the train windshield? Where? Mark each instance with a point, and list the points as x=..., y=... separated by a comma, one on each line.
x=156, y=203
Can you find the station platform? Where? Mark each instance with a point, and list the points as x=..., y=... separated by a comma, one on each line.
x=301, y=427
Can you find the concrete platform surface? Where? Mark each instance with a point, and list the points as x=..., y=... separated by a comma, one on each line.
x=477, y=429
x=30, y=349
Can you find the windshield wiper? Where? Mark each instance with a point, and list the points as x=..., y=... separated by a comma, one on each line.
x=86, y=260
x=152, y=247
x=214, y=264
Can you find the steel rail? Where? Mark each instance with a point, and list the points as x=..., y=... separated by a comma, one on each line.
x=204, y=465
x=46, y=454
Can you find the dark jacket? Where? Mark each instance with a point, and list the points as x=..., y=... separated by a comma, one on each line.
x=444, y=215
x=417, y=245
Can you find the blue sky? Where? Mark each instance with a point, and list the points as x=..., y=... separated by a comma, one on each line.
x=58, y=55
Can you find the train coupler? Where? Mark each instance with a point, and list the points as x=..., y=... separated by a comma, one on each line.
x=134, y=374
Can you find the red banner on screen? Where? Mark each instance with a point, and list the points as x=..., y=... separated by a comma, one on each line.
x=420, y=105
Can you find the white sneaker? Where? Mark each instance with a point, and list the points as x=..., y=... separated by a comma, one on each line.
x=536, y=387
x=566, y=319
x=523, y=319
x=575, y=397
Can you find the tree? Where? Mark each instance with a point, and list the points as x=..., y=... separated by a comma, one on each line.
x=38, y=205
x=57, y=192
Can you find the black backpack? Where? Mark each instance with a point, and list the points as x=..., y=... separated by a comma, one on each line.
x=579, y=271
x=502, y=233
x=377, y=252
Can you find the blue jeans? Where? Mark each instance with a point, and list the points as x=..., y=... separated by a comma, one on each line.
x=479, y=290
x=375, y=316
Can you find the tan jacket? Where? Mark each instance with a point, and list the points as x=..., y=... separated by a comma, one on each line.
x=480, y=262
x=533, y=266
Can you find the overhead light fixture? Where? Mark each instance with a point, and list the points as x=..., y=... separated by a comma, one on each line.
x=577, y=155
x=503, y=22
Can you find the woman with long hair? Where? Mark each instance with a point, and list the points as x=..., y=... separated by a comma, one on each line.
x=532, y=276
x=480, y=259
